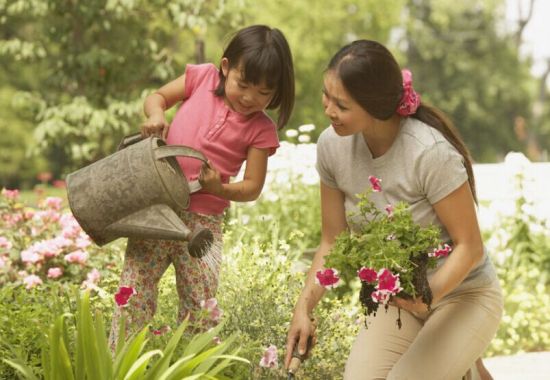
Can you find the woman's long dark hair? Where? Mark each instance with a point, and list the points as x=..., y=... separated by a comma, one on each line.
x=372, y=77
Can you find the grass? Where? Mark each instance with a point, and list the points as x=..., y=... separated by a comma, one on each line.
x=33, y=197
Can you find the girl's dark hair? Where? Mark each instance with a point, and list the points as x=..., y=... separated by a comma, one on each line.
x=263, y=54
x=372, y=77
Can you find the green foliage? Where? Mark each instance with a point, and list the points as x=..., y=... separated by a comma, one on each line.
x=522, y=260
x=92, y=357
x=259, y=287
x=17, y=167
x=25, y=315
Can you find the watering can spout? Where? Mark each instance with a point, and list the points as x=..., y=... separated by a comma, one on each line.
x=154, y=222
x=161, y=222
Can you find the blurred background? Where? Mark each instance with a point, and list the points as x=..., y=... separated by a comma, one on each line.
x=74, y=73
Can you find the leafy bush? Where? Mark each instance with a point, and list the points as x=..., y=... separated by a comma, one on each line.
x=259, y=287
x=91, y=357
x=520, y=247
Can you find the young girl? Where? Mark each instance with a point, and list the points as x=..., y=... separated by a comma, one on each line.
x=223, y=116
x=380, y=128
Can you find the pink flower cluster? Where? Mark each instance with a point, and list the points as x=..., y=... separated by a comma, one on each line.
x=387, y=284
x=57, y=241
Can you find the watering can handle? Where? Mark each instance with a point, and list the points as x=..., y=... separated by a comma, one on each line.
x=181, y=150
x=178, y=150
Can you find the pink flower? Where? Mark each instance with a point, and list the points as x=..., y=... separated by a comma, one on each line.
x=10, y=194
x=55, y=272
x=70, y=227
x=410, y=100
x=83, y=242
x=3, y=262
x=375, y=182
x=269, y=359
x=163, y=330
x=28, y=214
x=380, y=296
x=367, y=274
x=211, y=306
x=44, y=176
x=29, y=256
x=53, y=203
x=47, y=216
x=441, y=251
x=60, y=184
x=327, y=278
x=77, y=257
x=123, y=296
x=388, y=282
x=5, y=243
x=31, y=281
x=389, y=210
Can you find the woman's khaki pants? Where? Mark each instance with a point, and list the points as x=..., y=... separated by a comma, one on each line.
x=442, y=345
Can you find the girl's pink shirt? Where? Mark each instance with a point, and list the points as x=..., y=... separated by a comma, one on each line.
x=206, y=123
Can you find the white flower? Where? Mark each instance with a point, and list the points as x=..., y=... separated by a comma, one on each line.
x=306, y=128
x=291, y=133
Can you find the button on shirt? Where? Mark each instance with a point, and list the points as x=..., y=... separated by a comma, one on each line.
x=205, y=123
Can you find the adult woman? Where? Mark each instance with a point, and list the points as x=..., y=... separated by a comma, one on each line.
x=380, y=128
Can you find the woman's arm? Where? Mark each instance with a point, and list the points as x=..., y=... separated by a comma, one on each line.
x=248, y=189
x=333, y=222
x=157, y=103
x=458, y=214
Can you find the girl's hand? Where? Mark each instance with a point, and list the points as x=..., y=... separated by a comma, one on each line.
x=415, y=306
x=210, y=179
x=155, y=125
x=301, y=328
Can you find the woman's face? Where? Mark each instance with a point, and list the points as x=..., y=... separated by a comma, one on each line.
x=346, y=115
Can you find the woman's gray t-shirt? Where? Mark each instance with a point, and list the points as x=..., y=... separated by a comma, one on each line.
x=420, y=168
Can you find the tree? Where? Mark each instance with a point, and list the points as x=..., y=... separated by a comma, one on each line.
x=465, y=65
x=84, y=66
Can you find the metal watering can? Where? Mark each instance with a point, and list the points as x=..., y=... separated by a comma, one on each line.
x=137, y=192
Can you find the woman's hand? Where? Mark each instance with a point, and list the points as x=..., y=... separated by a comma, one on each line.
x=210, y=179
x=415, y=306
x=155, y=125
x=301, y=328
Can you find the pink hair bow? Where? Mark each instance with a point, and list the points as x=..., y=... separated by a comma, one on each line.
x=410, y=99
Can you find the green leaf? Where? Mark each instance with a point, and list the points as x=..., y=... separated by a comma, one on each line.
x=23, y=368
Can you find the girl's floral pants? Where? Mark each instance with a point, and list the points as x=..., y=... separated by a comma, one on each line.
x=146, y=261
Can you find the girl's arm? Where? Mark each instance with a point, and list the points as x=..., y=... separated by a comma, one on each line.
x=246, y=190
x=333, y=222
x=157, y=103
x=458, y=214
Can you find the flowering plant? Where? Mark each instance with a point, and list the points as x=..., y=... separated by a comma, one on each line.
x=389, y=254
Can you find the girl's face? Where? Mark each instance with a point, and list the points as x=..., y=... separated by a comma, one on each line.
x=243, y=97
x=346, y=115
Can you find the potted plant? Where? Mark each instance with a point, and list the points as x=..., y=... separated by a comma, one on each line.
x=388, y=251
